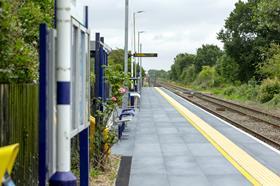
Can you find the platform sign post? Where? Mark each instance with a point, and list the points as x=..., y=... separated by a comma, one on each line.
x=140, y=55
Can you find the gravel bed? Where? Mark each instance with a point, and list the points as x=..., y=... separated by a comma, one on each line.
x=260, y=116
x=261, y=128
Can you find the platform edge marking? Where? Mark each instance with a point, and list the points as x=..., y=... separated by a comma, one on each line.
x=254, y=173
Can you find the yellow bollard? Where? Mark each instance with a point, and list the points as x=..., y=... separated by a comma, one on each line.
x=92, y=133
x=8, y=156
x=107, y=149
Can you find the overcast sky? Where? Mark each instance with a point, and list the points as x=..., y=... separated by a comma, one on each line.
x=171, y=26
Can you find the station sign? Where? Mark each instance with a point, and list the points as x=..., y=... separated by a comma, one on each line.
x=145, y=55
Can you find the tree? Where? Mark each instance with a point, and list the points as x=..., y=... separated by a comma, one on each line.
x=248, y=33
x=207, y=77
x=188, y=74
x=271, y=67
x=158, y=74
x=267, y=15
x=227, y=68
x=240, y=38
x=207, y=55
x=181, y=62
x=19, y=28
x=116, y=61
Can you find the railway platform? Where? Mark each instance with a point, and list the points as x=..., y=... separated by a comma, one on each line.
x=173, y=142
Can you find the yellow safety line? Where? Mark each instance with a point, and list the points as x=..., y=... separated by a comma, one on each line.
x=254, y=171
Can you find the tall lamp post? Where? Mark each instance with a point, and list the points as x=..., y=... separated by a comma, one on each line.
x=125, y=97
x=139, y=59
x=133, y=62
x=126, y=37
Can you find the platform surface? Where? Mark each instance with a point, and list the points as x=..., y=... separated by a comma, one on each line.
x=167, y=150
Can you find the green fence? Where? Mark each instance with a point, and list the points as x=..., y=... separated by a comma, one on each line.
x=19, y=111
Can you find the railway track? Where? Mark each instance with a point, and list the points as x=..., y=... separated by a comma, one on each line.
x=262, y=125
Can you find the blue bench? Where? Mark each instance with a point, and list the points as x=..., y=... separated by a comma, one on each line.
x=125, y=116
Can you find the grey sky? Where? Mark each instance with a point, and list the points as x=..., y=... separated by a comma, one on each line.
x=171, y=26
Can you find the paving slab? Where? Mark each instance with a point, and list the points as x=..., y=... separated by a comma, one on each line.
x=167, y=150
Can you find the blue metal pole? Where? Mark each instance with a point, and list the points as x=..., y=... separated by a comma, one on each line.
x=55, y=14
x=102, y=72
x=43, y=104
x=97, y=89
x=84, y=142
x=106, y=84
x=84, y=157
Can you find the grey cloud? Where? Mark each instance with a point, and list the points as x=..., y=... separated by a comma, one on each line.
x=171, y=26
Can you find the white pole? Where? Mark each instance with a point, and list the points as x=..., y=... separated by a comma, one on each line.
x=138, y=58
x=134, y=48
x=125, y=97
x=63, y=175
x=63, y=72
x=126, y=37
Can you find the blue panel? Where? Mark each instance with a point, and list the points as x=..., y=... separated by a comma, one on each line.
x=42, y=104
x=63, y=92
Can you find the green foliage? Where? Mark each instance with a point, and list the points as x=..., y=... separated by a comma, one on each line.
x=19, y=27
x=181, y=62
x=244, y=92
x=158, y=74
x=116, y=59
x=239, y=38
x=207, y=78
x=248, y=92
x=267, y=15
x=271, y=67
x=268, y=89
x=250, y=29
x=227, y=68
x=275, y=101
x=207, y=55
x=116, y=80
x=231, y=90
x=188, y=75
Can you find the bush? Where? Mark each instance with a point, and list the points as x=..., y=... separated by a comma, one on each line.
x=275, y=101
x=230, y=91
x=208, y=78
x=188, y=74
x=248, y=91
x=268, y=89
x=227, y=68
x=271, y=66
